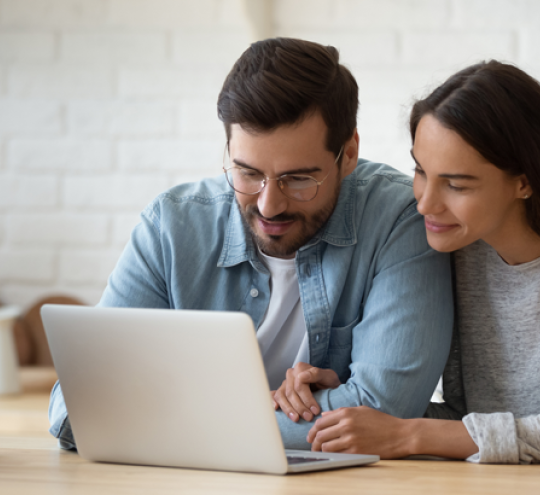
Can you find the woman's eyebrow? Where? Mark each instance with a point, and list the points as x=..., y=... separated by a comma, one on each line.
x=414, y=158
x=449, y=176
x=459, y=176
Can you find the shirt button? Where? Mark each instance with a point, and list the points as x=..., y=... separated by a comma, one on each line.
x=253, y=292
x=317, y=338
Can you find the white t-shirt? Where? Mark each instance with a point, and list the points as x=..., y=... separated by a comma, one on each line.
x=282, y=334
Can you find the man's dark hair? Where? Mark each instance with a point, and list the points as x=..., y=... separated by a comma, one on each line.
x=280, y=81
x=495, y=107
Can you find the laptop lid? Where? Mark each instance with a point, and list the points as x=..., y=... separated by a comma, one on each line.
x=168, y=388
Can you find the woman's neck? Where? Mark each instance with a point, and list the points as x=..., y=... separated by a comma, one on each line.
x=518, y=246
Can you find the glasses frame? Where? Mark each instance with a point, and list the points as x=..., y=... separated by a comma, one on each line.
x=279, y=179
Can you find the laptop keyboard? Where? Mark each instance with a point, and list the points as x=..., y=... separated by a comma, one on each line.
x=301, y=460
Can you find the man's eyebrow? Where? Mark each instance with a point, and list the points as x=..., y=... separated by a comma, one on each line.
x=448, y=176
x=296, y=171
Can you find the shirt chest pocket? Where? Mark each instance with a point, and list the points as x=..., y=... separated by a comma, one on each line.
x=339, y=349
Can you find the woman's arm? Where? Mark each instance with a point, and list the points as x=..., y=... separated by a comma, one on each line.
x=485, y=438
x=441, y=437
x=363, y=430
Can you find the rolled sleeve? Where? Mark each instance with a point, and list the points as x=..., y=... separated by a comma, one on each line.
x=503, y=439
x=495, y=436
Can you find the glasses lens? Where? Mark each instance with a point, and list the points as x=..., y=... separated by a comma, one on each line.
x=245, y=180
x=299, y=187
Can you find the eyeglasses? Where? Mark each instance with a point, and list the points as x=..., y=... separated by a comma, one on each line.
x=295, y=186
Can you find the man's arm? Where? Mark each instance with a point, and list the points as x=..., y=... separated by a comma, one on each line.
x=401, y=344
x=454, y=406
x=58, y=417
x=139, y=278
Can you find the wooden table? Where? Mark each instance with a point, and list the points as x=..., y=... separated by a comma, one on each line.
x=31, y=463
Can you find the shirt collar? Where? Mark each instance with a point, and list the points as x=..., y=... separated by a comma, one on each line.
x=339, y=230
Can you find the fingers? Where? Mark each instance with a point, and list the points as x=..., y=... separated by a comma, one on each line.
x=300, y=396
x=295, y=396
x=329, y=419
x=321, y=378
x=302, y=389
x=274, y=403
x=342, y=445
x=285, y=405
x=326, y=437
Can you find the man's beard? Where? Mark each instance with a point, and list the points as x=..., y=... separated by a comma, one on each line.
x=275, y=245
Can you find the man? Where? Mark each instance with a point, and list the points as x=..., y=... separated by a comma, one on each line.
x=326, y=253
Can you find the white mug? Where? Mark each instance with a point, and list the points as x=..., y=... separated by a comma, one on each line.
x=9, y=366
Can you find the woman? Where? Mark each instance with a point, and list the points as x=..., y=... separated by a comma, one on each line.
x=476, y=145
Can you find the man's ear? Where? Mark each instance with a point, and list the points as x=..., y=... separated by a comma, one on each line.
x=350, y=154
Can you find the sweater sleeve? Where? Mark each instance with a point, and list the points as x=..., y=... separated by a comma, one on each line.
x=503, y=439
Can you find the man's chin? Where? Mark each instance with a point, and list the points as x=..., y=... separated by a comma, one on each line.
x=274, y=245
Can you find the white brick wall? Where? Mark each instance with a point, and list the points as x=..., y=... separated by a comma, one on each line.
x=64, y=154
x=84, y=266
x=116, y=192
x=29, y=117
x=27, y=192
x=27, y=265
x=118, y=117
x=104, y=103
x=101, y=48
x=26, y=47
x=57, y=229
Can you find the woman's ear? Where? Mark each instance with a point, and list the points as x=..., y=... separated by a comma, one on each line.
x=350, y=155
x=524, y=189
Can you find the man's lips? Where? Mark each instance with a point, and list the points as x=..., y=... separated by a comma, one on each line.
x=439, y=228
x=274, y=228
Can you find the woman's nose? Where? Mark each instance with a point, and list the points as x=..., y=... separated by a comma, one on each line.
x=429, y=202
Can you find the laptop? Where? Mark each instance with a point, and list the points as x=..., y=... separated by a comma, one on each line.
x=172, y=388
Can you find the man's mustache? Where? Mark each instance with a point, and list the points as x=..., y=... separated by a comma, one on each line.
x=253, y=211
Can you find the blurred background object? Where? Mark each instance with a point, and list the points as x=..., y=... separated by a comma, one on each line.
x=25, y=359
x=30, y=338
x=106, y=103
x=9, y=375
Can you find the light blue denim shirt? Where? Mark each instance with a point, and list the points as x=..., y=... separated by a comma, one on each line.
x=377, y=300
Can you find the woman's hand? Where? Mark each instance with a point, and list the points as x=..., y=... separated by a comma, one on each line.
x=361, y=430
x=295, y=396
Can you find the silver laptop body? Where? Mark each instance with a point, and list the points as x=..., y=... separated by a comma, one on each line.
x=171, y=388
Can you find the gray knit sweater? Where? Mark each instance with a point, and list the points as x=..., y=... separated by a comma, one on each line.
x=492, y=378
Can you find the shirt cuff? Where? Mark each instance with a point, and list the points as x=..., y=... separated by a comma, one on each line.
x=58, y=417
x=495, y=435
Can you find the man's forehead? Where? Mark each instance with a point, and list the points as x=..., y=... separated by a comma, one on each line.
x=311, y=130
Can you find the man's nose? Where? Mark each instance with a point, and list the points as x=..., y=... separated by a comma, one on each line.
x=271, y=200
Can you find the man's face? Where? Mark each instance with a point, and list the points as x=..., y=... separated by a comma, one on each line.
x=280, y=225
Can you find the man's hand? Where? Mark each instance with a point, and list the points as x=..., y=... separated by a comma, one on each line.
x=360, y=430
x=295, y=395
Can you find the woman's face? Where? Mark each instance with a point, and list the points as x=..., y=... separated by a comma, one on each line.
x=462, y=196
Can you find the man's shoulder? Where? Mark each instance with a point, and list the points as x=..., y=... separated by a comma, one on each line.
x=383, y=190
x=207, y=191
x=374, y=173
x=211, y=193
